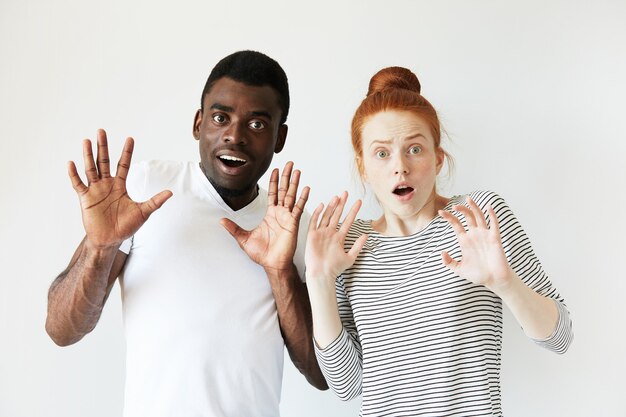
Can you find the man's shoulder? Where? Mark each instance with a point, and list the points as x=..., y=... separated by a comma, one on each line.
x=162, y=170
x=149, y=175
x=157, y=166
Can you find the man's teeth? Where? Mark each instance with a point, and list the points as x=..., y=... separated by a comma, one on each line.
x=232, y=158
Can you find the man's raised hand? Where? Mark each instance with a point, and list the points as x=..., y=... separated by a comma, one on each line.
x=272, y=243
x=110, y=216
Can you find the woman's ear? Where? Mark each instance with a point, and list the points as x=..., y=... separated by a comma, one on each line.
x=441, y=157
x=359, y=166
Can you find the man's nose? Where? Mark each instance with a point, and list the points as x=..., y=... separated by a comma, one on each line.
x=235, y=134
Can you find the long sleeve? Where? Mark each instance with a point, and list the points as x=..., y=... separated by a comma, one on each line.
x=526, y=265
x=341, y=362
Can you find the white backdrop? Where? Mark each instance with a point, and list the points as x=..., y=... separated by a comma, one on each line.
x=531, y=94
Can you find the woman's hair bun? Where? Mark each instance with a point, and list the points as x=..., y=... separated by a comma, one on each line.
x=394, y=77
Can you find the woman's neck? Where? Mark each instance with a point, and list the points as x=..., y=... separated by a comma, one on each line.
x=392, y=224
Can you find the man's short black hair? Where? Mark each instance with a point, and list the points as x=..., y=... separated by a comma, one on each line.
x=255, y=69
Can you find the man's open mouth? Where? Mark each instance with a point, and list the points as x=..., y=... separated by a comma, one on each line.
x=232, y=161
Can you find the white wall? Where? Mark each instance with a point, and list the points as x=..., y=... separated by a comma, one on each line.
x=530, y=92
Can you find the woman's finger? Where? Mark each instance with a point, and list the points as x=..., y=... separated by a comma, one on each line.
x=495, y=225
x=347, y=222
x=334, y=220
x=467, y=213
x=328, y=213
x=479, y=216
x=454, y=222
x=314, y=217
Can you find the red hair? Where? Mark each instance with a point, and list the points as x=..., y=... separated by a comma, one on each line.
x=393, y=88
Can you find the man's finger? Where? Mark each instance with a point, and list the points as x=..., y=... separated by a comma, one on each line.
x=90, y=166
x=240, y=235
x=284, y=182
x=292, y=191
x=273, y=188
x=78, y=184
x=125, y=158
x=152, y=205
x=104, y=166
x=299, y=207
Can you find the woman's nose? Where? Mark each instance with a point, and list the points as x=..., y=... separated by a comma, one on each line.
x=401, y=166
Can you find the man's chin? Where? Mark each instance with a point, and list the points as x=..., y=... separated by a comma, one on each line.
x=230, y=191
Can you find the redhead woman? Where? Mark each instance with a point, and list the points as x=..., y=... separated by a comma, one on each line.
x=407, y=308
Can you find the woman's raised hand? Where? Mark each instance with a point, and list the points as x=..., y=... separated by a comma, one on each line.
x=483, y=260
x=325, y=255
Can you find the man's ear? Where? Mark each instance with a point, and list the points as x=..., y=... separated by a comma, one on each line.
x=197, y=121
x=281, y=139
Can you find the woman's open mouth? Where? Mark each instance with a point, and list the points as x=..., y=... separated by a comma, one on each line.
x=403, y=190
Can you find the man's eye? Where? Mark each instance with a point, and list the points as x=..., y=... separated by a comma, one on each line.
x=414, y=150
x=256, y=125
x=382, y=154
x=219, y=118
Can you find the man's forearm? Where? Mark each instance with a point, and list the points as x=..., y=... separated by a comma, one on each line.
x=294, y=315
x=77, y=295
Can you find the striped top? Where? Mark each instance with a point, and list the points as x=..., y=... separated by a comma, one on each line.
x=418, y=340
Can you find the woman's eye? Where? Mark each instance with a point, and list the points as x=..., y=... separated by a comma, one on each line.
x=257, y=125
x=414, y=150
x=382, y=154
x=219, y=118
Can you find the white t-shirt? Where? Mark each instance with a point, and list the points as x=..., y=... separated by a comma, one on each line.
x=202, y=334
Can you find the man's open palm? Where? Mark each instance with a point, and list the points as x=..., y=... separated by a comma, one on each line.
x=110, y=216
x=272, y=243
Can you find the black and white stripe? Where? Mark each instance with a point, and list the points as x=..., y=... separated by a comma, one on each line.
x=419, y=340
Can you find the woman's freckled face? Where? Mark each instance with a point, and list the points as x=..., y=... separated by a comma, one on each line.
x=400, y=161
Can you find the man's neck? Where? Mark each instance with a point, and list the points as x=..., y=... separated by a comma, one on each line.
x=240, y=201
x=236, y=199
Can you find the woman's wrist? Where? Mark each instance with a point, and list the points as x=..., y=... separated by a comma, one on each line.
x=320, y=280
x=507, y=286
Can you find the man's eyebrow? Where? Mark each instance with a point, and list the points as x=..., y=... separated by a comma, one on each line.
x=261, y=114
x=228, y=109
x=221, y=107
